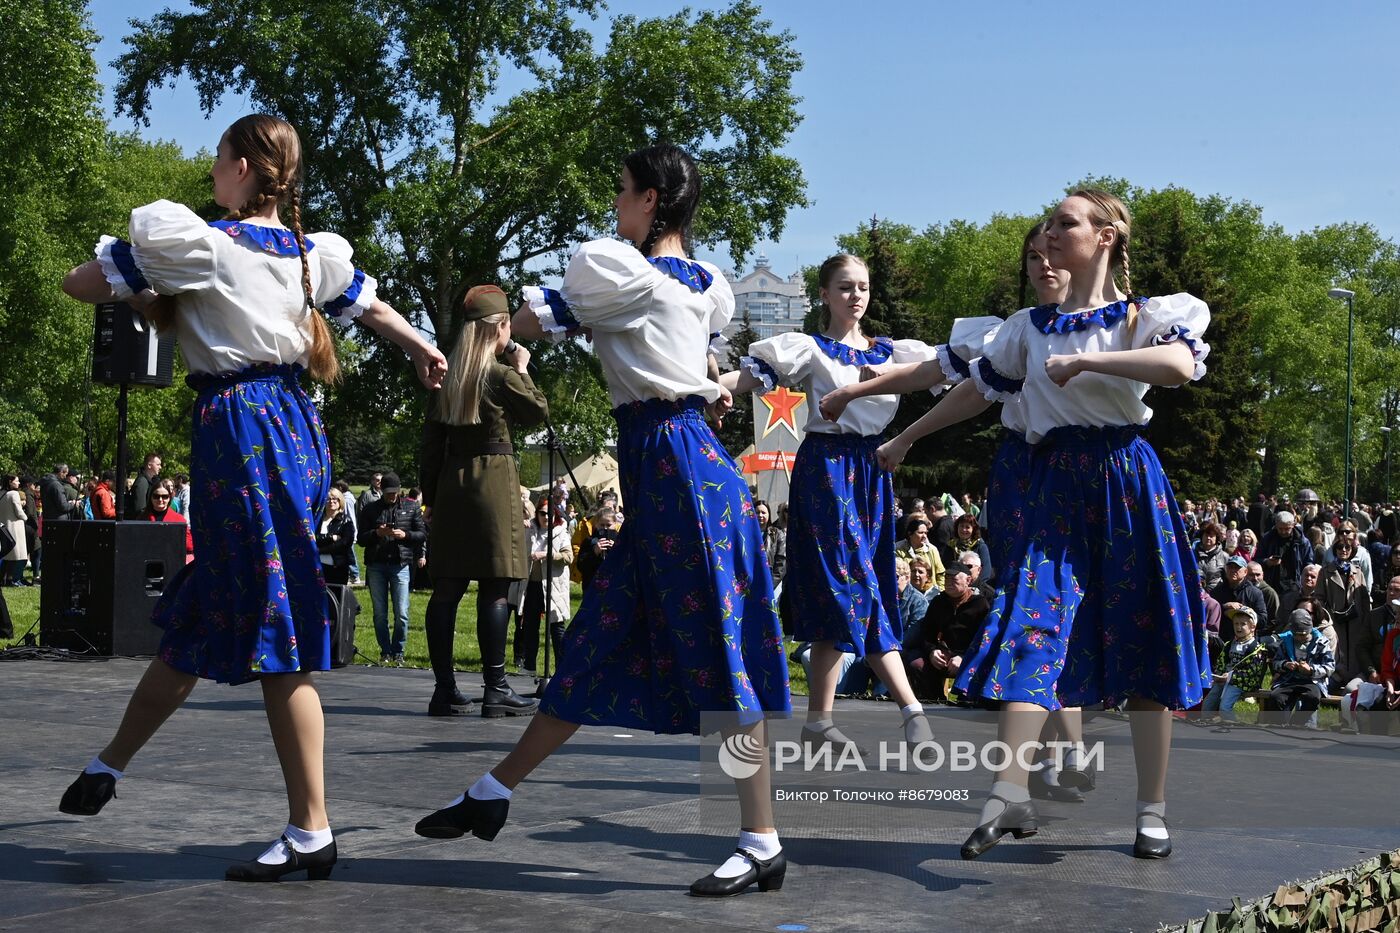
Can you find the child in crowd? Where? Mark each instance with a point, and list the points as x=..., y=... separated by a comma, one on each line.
x=1245, y=662
x=1303, y=661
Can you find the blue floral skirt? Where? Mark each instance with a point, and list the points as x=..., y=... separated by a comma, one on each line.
x=1104, y=599
x=840, y=584
x=1006, y=492
x=680, y=618
x=253, y=601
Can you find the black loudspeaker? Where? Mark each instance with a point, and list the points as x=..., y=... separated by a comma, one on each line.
x=344, y=607
x=101, y=581
x=127, y=349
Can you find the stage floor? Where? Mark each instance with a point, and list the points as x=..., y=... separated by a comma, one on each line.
x=609, y=833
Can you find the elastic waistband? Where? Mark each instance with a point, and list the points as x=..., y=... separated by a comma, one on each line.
x=656, y=410
x=858, y=441
x=260, y=372
x=1075, y=435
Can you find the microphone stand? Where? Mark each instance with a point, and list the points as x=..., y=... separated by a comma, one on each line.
x=552, y=447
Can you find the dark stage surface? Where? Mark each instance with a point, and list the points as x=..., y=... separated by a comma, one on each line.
x=609, y=833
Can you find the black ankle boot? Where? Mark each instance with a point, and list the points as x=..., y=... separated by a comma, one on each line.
x=1018, y=819
x=500, y=700
x=482, y=818
x=88, y=794
x=492, y=624
x=317, y=865
x=446, y=702
x=767, y=875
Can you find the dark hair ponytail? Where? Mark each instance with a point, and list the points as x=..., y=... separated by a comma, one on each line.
x=672, y=173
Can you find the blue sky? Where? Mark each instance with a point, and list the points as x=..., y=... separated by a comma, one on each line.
x=924, y=112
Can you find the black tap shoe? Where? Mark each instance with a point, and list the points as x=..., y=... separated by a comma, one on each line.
x=767, y=875
x=482, y=818
x=88, y=794
x=1018, y=819
x=317, y=865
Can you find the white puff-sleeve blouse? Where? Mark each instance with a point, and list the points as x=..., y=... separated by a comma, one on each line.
x=1014, y=353
x=238, y=284
x=816, y=364
x=651, y=318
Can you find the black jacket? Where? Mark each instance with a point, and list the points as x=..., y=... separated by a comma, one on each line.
x=405, y=514
x=337, y=540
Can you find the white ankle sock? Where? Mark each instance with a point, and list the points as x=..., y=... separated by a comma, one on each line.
x=1151, y=819
x=911, y=709
x=763, y=846
x=97, y=767
x=993, y=808
x=487, y=788
x=303, y=840
x=1050, y=775
x=820, y=725
x=1072, y=759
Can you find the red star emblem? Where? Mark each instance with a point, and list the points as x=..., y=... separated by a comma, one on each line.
x=782, y=405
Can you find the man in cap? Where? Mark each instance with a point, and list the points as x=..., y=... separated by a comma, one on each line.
x=1271, y=597
x=1302, y=663
x=1283, y=552
x=1235, y=587
x=392, y=533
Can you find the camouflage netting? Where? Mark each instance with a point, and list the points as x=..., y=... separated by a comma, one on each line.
x=1363, y=898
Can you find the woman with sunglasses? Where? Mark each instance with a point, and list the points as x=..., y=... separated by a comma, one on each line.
x=158, y=510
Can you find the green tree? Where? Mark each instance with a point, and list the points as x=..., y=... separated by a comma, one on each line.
x=737, y=431
x=441, y=187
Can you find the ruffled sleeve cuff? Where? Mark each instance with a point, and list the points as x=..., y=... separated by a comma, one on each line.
x=992, y=384
x=719, y=345
x=955, y=368
x=1198, y=347
x=552, y=311
x=119, y=266
x=761, y=371
x=355, y=300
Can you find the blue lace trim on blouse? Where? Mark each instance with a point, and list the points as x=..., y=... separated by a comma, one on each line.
x=126, y=265
x=276, y=240
x=841, y=353
x=560, y=308
x=767, y=370
x=352, y=294
x=689, y=272
x=958, y=363
x=1048, y=319
x=996, y=380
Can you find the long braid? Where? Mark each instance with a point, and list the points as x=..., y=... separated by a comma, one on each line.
x=323, y=364
x=1127, y=281
x=658, y=227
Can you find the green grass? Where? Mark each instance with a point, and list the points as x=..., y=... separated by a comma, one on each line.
x=24, y=609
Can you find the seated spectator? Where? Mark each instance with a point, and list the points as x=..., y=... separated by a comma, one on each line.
x=1308, y=589
x=158, y=510
x=954, y=619
x=967, y=536
x=1359, y=643
x=1390, y=670
x=913, y=606
x=917, y=544
x=1236, y=588
x=973, y=562
x=335, y=537
x=1211, y=555
x=1284, y=552
x=1302, y=663
x=1244, y=663
x=774, y=542
x=1271, y=597
x=921, y=578
x=1387, y=570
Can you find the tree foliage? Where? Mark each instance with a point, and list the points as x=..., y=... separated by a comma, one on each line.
x=421, y=149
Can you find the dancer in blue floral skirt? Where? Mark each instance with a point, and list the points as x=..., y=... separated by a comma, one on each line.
x=241, y=295
x=680, y=620
x=840, y=591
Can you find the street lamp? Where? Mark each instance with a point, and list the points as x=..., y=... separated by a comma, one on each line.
x=1350, y=296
